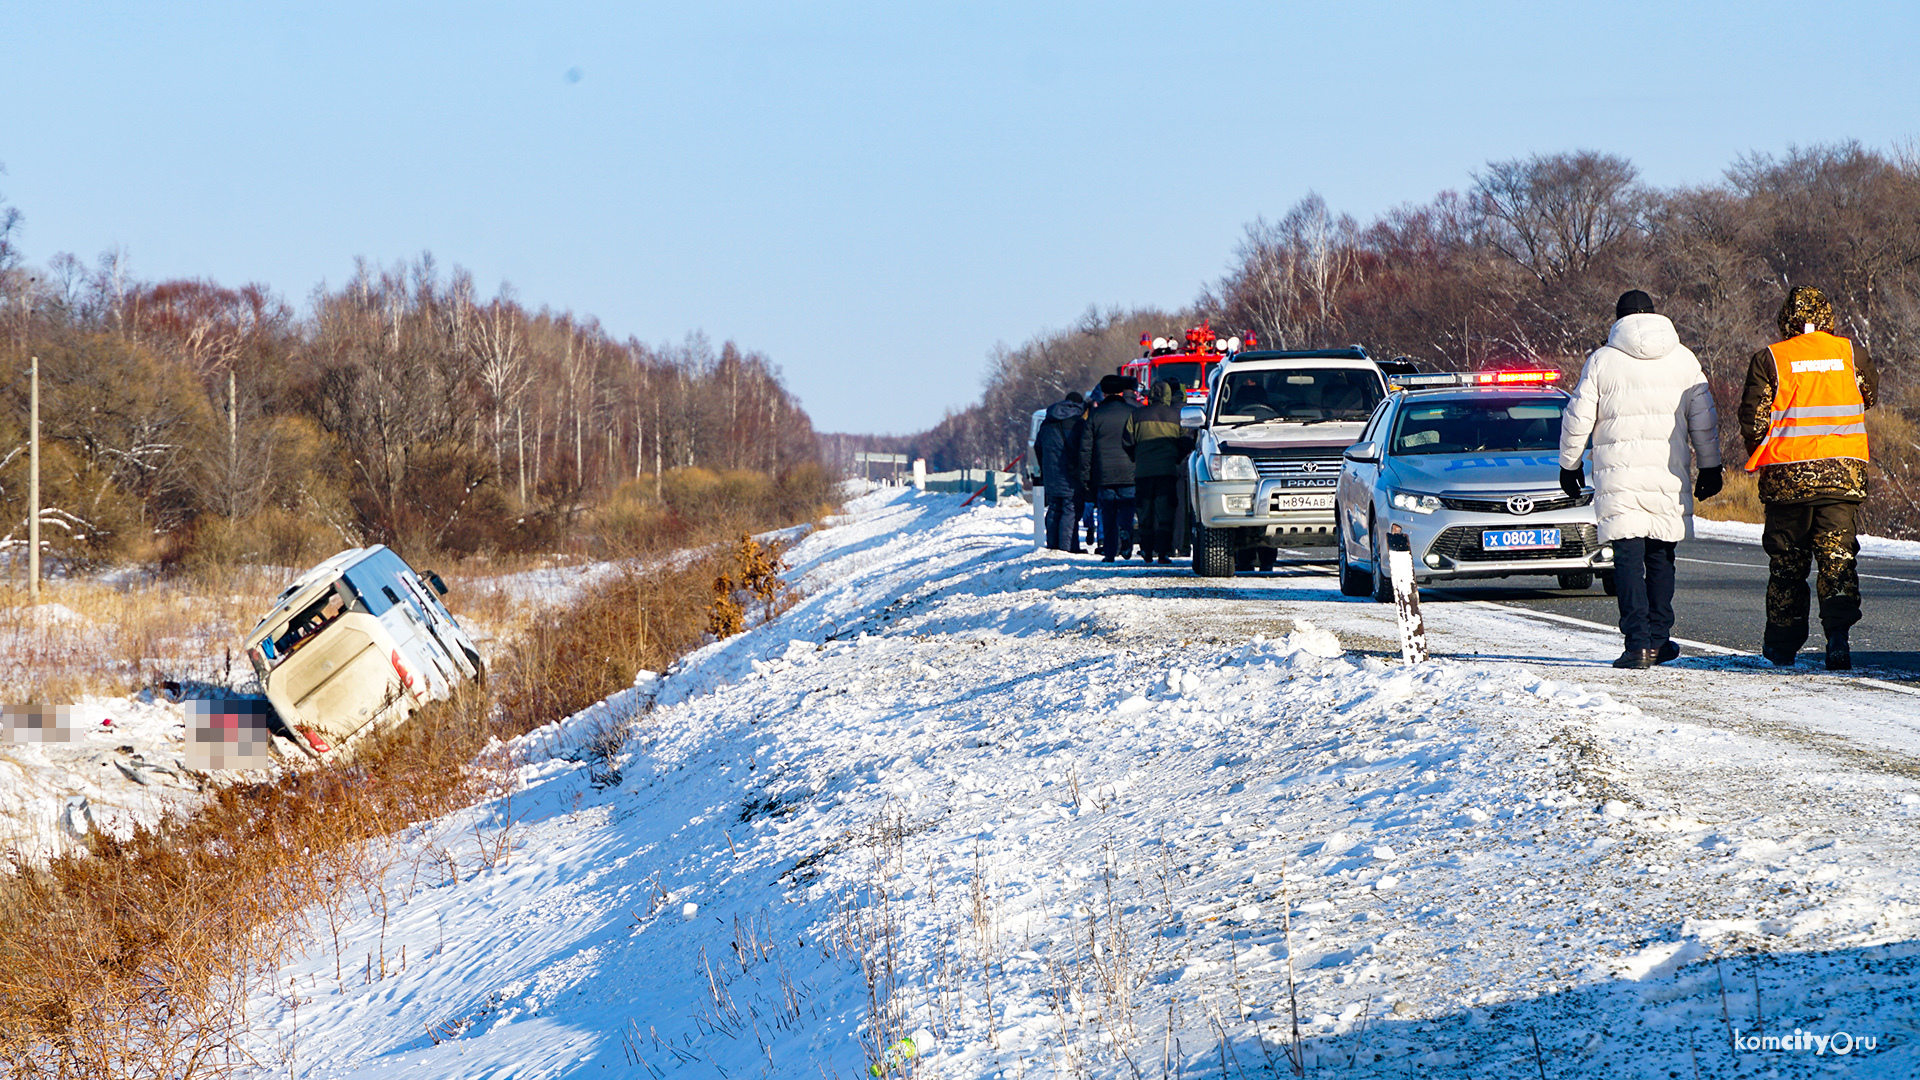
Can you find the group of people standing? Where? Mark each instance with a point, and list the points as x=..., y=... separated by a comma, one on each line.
x=1122, y=459
x=1643, y=402
x=1644, y=405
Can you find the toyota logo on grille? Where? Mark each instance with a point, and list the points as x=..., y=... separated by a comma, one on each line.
x=1311, y=466
x=1520, y=504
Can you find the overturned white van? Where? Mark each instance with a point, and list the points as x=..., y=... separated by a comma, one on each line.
x=359, y=639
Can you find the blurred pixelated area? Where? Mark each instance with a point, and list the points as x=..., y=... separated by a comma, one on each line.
x=36, y=723
x=228, y=733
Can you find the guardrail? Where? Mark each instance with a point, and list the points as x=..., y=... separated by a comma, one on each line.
x=998, y=485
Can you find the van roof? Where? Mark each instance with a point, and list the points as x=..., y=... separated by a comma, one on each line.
x=305, y=589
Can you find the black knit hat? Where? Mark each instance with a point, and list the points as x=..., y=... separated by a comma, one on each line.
x=1112, y=385
x=1076, y=397
x=1633, y=302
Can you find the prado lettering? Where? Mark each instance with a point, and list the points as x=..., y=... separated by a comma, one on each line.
x=1840, y=1042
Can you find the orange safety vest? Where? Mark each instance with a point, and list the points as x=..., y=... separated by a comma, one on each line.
x=1817, y=408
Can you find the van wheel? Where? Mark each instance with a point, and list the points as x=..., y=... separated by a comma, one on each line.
x=1607, y=584
x=1576, y=581
x=1213, y=552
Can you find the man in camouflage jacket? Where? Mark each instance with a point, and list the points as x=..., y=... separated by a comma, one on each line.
x=1810, y=505
x=1158, y=446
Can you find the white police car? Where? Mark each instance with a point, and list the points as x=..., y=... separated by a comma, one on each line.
x=1467, y=465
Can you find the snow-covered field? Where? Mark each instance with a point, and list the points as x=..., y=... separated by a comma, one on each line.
x=1043, y=817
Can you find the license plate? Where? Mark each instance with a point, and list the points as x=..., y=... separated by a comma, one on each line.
x=1519, y=539
x=1302, y=502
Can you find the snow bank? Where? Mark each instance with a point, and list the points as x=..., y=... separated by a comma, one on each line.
x=979, y=810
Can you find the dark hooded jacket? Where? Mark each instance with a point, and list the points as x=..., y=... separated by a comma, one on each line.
x=1154, y=438
x=1103, y=455
x=1054, y=449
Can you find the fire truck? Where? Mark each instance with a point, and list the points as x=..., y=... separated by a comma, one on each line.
x=1191, y=363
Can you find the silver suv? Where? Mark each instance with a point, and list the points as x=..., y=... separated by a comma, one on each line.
x=1267, y=456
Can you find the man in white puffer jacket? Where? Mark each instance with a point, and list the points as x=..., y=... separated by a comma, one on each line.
x=1643, y=400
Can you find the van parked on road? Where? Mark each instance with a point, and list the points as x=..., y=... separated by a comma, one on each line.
x=359, y=639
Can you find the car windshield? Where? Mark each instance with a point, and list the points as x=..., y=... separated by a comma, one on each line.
x=1302, y=394
x=1478, y=426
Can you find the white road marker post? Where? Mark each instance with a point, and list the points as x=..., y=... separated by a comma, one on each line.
x=1039, y=517
x=1406, y=597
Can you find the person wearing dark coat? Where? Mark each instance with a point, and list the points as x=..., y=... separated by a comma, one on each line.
x=1105, y=468
x=1159, y=447
x=1059, y=473
x=1086, y=511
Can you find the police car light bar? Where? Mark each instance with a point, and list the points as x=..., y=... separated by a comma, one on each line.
x=1473, y=378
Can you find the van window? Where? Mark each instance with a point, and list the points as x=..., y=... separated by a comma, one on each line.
x=304, y=625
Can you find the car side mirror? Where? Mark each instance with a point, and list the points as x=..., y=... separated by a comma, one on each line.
x=1366, y=452
x=1192, y=416
x=433, y=579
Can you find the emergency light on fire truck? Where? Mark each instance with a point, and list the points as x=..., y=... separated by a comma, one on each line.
x=1199, y=342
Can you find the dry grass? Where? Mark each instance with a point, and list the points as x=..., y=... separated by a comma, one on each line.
x=1739, y=500
x=91, y=637
x=134, y=957
x=641, y=620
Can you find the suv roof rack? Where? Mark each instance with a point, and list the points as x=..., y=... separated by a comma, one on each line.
x=1351, y=352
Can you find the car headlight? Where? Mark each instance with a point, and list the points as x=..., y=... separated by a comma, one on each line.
x=1419, y=504
x=1231, y=467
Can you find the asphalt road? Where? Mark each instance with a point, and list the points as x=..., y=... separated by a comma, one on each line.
x=1720, y=599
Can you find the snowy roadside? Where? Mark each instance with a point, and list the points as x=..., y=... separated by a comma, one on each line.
x=1878, y=547
x=1062, y=819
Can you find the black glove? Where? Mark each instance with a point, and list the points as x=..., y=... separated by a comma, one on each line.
x=1571, y=480
x=1707, y=484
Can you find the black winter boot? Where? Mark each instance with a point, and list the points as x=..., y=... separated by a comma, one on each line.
x=1638, y=658
x=1839, y=657
x=1780, y=643
x=1668, y=651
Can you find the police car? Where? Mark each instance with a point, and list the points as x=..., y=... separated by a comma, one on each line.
x=1467, y=465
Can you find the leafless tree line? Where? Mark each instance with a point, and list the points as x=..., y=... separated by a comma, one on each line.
x=1523, y=267
x=403, y=405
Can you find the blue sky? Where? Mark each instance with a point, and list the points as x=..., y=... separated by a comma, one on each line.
x=872, y=194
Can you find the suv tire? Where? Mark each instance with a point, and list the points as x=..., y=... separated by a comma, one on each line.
x=1213, y=552
x=1353, y=582
x=1608, y=585
x=1576, y=581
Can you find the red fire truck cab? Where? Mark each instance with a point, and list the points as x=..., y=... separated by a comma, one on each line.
x=1191, y=363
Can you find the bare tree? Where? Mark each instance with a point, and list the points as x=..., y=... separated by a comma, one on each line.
x=1553, y=214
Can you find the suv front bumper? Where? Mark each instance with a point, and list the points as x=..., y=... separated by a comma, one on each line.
x=1251, y=505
